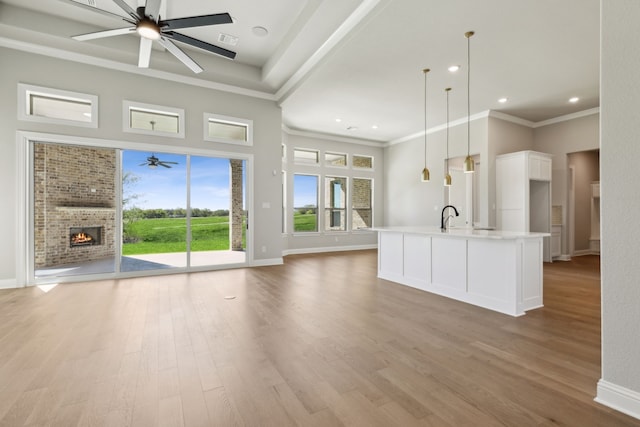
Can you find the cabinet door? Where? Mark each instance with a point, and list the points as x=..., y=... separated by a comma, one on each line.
x=539, y=168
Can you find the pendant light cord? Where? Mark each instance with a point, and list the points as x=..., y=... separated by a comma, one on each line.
x=468, y=95
x=425, y=71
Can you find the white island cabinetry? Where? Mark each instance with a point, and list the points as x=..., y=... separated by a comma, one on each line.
x=498, y=270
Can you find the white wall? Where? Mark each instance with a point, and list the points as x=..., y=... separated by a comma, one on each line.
x=112, y=87
x=619, y=174
x=333, y=240
x=408, y=200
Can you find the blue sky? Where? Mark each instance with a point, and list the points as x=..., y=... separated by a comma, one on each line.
x=166, y=188
x=305, y=190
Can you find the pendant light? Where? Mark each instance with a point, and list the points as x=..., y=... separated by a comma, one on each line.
x=468, y=161
x=425, y=171
x=447, y=177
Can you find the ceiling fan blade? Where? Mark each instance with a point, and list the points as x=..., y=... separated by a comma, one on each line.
x=166, y=166
x=101, y=11
x=196, y=21
x=152, y=9
x=178, y=53
x=106, y=33
x=171, y=163
x=145, y=52
x=128, y=9
x=200, y=44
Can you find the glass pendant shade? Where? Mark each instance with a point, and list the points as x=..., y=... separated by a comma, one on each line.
x=447, y=180
x=425, y=176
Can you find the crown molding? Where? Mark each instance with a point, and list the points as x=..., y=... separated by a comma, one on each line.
x=457, y=122
x=128, y=68
x=510, y=118
x=330, y=137
x=567, y=117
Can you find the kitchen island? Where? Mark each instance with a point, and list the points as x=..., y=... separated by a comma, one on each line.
x=498, y=270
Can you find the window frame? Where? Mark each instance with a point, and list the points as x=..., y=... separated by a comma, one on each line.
x=328, y=192
x=293, y=205
x=329, y=165
x=246, y=123
x=307, y=150
x=128, y=106
x=372, y=202
x=353, y=157
x=25, y=91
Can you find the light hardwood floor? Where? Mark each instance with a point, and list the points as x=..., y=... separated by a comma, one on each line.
x=319, y=341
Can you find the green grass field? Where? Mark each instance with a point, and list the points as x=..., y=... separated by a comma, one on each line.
x=163, y=235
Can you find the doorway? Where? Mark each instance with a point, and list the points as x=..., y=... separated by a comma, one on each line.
x=111, y=211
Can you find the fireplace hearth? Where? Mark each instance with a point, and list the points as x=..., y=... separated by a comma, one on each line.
x=85, y=236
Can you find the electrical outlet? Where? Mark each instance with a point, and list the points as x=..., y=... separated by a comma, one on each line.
x=264, y=249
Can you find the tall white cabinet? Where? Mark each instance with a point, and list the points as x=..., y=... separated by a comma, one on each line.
x=523, y=194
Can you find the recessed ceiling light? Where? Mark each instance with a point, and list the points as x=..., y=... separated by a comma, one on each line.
x=574, y=99
x=338, y=120
x=502, y=100
x=454, y=68
x=260, y=31
x=374, y=127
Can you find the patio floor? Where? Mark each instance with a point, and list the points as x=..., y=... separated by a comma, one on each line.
x=144, y=262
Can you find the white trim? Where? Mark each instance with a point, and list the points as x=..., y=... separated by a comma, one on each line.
x=219, y=118
x=328, y=249
x=267, y=262
x=361, y=12
x=329, y=137
x=619, y=398
x=26, y=90
x=162, y=110
x=8, y=284
x=24, y=255
x=567, y=117
x=582, y=252
x=438, y=128
x=130, y=68
x=564, y=257
x=510, y=118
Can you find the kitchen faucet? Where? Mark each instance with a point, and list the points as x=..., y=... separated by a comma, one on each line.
x=443, y=223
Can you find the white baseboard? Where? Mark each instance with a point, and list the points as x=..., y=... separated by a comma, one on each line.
x=582, y=252
x=267, y=262
x=619, y=398
x=8, y=284
x=328, y=249
x=563, y=257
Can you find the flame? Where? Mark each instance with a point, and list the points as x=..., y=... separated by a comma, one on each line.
x=80, y=238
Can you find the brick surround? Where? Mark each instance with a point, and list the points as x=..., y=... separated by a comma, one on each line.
x=74, y=187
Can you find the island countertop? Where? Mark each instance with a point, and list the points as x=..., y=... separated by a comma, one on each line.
x=462, y=232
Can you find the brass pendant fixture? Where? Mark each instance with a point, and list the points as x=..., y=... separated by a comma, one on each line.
x=469, y=166
x=447, y=177
x=425, y=172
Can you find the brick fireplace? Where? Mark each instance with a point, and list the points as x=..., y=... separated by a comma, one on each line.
x=75, y=192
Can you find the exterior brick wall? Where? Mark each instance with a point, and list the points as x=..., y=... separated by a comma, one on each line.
x=236, y=211
x=74, y=187
x=361, y=203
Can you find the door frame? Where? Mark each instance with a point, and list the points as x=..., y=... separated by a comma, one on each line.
x=24, y=201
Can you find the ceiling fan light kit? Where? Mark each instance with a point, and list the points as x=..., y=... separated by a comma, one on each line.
x=147, y=24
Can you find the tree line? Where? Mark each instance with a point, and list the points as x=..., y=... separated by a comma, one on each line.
x=173, y=213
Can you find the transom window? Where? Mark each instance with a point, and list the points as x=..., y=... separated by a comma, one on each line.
x=304, y=156
x=230, y=130
x=153, y=119
x=335, y=159
x=362, y=162
x=46, y=105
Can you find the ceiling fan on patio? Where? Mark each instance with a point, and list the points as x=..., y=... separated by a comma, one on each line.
x=146, y=22
x=153, y=162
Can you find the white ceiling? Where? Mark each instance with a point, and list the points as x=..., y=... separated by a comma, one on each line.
x=362, y=60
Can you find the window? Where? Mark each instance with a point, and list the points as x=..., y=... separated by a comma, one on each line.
x=230, y=130
x=305, y=203
x=361, y=204
x=46, y=105
x=335, y=203
x=284, y=201
x=362, y=162
x=309, y=157
x=335, y=159
x=152, y=119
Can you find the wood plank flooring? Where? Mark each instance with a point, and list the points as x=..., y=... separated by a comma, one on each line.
x=319, y=341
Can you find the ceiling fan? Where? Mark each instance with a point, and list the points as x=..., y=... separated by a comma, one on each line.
x=153, y=162
x=146, y=22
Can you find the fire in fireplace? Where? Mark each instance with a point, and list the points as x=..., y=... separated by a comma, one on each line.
x=85, y=236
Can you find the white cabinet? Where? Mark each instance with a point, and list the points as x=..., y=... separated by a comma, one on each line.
x=523, y=193
x=556, y=241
